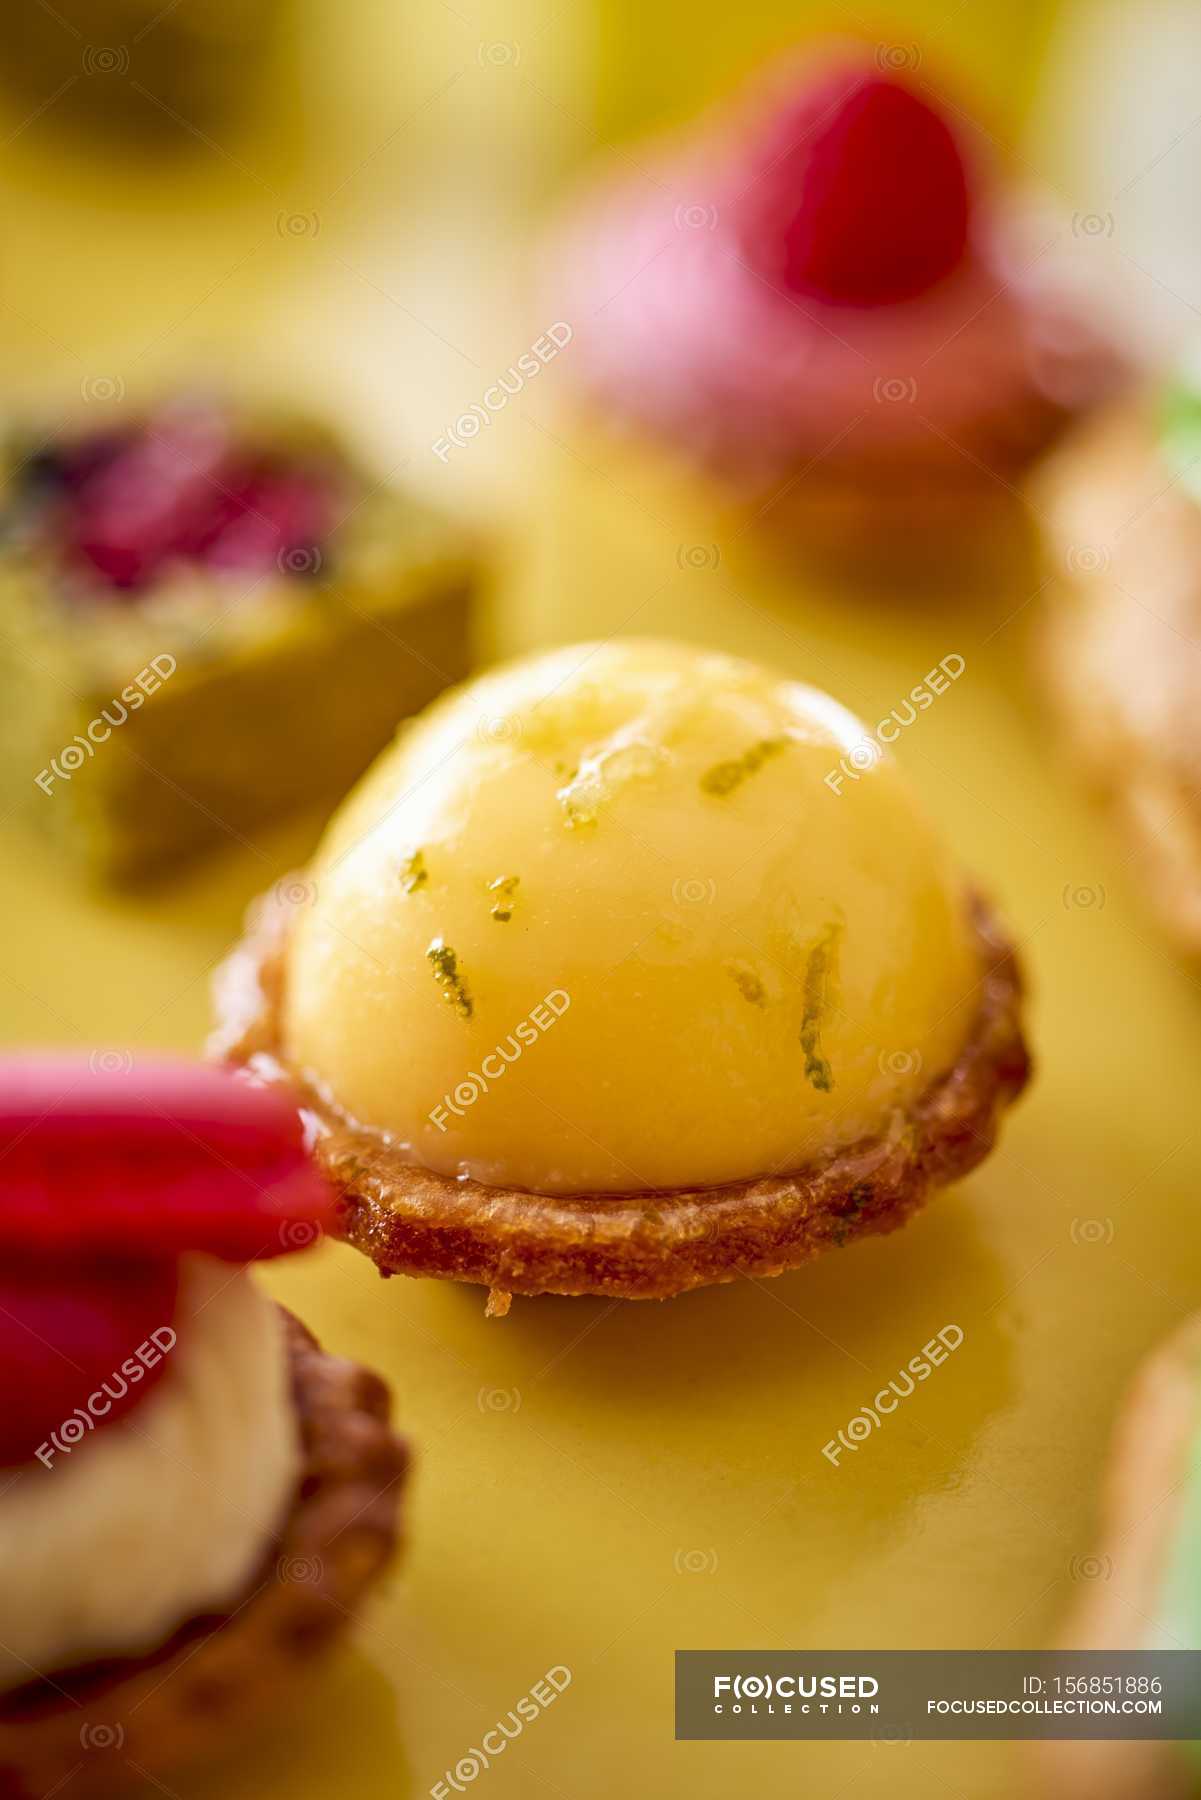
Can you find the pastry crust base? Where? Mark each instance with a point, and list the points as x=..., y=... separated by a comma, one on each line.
x=929, y=531
x=411, y=1221
x=1125, y=548
x=104, y=1725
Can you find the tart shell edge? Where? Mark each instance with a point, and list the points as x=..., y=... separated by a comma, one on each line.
x=412, y=1221
x=100, y=1727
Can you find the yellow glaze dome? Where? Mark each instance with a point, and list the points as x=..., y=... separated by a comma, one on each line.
x=629, y=915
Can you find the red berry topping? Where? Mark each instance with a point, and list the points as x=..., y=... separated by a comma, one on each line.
x=861, y=194
x=80, y=1345
x=162, y=491
x=182, y=488
x=152, y=1161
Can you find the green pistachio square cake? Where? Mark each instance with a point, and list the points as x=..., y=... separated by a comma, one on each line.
x=209, y=616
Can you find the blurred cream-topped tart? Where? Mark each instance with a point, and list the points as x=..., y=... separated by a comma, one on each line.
x=194, y=1497
x=623, y=970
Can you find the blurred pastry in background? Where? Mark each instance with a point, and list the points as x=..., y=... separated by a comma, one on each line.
x=1143, y=1590
x=194, y=1496
x=208, y=615
x=1113, y=128
x=629, y=968
x=134, y=67
x=831, y=302
x=1121, y=634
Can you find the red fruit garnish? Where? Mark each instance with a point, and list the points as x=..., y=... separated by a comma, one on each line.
x=183, y=488
x=152, y=1161
x=80, y=1345
x=861, y=195
x=281, y=517
x=157, y=493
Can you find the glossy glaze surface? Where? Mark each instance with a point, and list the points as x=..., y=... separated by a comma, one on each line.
x=630, y=915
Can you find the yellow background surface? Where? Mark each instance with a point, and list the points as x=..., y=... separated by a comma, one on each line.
x=598, y=1485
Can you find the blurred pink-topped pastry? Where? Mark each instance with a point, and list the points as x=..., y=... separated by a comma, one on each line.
x=830, y=304
x=195, y=1498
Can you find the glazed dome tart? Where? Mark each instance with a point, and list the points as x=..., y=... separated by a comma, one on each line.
x=629, y=968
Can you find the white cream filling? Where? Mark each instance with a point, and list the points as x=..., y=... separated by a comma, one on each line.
x=165, y=1514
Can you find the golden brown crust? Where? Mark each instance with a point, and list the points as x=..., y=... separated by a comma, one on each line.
x=1114, y=652
x=928, y=535
x=105, y=1725
x=412, y=1221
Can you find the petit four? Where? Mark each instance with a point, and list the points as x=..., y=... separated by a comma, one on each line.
x=827, y=302
x=193, y=1495
x=209, y=616
x=624, y=971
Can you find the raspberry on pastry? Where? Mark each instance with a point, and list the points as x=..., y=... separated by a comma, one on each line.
x=834, y=308
x=859, y=193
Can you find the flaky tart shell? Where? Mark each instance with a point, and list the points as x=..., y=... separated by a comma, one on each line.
x=96, y=1728
x=410, y=1220
x=1114, y=652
